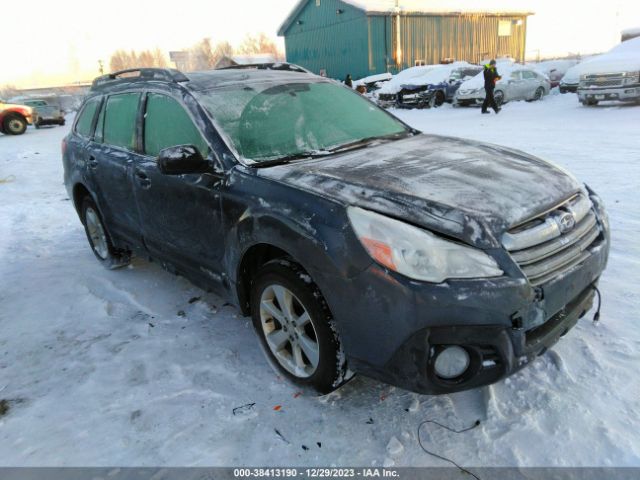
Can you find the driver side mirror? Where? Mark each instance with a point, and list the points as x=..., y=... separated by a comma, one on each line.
x=182, y=159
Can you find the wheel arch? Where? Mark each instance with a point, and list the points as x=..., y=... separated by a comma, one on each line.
x=250, y=262
x=80, y=191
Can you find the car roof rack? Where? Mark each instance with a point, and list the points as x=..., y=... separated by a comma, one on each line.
x=170, y=75
x=279, y=66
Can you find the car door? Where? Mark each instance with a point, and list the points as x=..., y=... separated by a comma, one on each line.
x=112, y=153
x=515, y=87
x=529, y=84
x=180, y=214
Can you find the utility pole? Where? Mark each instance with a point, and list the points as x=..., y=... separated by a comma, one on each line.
x=100, y=67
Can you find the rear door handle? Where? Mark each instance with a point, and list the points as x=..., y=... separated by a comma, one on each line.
x=93, y=163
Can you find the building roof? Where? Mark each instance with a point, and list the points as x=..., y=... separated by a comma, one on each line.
x=252, y=59
x=424, y=7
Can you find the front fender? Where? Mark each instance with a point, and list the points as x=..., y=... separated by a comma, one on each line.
x=313, y=230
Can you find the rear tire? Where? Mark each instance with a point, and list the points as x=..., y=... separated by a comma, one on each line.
x=296, y=328
x=539, y=94
x=590, y=103
x=14, y=124
x=98, y=237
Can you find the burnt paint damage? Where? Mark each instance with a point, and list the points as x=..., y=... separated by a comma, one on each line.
x=214, y=227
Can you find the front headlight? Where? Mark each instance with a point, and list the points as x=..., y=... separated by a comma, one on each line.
x=417, y=253
x=631, y=78
x=601, y=213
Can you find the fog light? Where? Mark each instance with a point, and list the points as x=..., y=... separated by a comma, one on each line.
x=451, y=362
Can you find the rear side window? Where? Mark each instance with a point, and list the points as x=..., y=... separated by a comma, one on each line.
x=85, y=120
x=167, y=124
x=529, y=75
x=120, y=120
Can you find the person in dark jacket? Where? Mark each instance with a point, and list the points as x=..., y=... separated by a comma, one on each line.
x=348, y=81
x=490, y=78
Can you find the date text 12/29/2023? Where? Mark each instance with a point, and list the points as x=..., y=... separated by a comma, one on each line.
x=315, y=473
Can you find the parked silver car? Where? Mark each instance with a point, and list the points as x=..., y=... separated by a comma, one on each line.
x=518, y=82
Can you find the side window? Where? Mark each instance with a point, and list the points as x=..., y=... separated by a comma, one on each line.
x=85, y=120
x=120, y=116
x=167, y=124
x=516, y=76
x=529, y=75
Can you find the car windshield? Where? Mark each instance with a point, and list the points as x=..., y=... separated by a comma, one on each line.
x=273, y=121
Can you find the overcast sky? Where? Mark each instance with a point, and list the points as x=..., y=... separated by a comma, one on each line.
x=53, y=42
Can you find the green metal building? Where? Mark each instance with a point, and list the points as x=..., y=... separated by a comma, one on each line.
x=366, y=37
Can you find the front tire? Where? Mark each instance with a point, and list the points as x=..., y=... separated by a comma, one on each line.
x=98, y=237
x=14, y=124
x=439, y=98
x=296, y=328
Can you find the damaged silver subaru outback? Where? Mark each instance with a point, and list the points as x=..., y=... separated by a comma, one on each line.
x=356, y=243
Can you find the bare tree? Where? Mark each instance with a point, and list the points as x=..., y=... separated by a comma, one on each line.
x=8, y=91
x=204, y=55
x=260, y=43
x=122, y=60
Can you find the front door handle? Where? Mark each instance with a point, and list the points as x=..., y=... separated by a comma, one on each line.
x=93, y=163
x=143, y=179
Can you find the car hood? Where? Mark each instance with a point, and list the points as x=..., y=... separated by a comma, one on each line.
x=471, y=190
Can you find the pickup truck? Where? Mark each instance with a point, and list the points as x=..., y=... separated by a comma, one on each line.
x=14, y=118
x=48, y=112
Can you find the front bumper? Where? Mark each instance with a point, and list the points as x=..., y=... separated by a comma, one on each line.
x=469, y=98
x=393, y=331
x=629, y=93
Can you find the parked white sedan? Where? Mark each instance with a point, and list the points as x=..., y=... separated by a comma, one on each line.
x=519, y=82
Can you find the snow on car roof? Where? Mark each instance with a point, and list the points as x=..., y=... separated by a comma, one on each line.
x=631, y=31
x=504, y=70
x=381, y=77
x=624, y=57
x=424, y=75
x=560, y=66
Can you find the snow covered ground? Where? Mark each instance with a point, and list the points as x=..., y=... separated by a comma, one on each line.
x=138, y=367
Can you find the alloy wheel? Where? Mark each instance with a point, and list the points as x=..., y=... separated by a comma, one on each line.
x=289, y=331
x=96, y=233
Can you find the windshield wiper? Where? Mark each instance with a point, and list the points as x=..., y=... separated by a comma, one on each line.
x=290, y=158
x=363, y=142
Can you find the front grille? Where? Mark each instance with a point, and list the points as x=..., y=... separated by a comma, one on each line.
x=554, y=242
x=602, y=81
x=387, y=97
